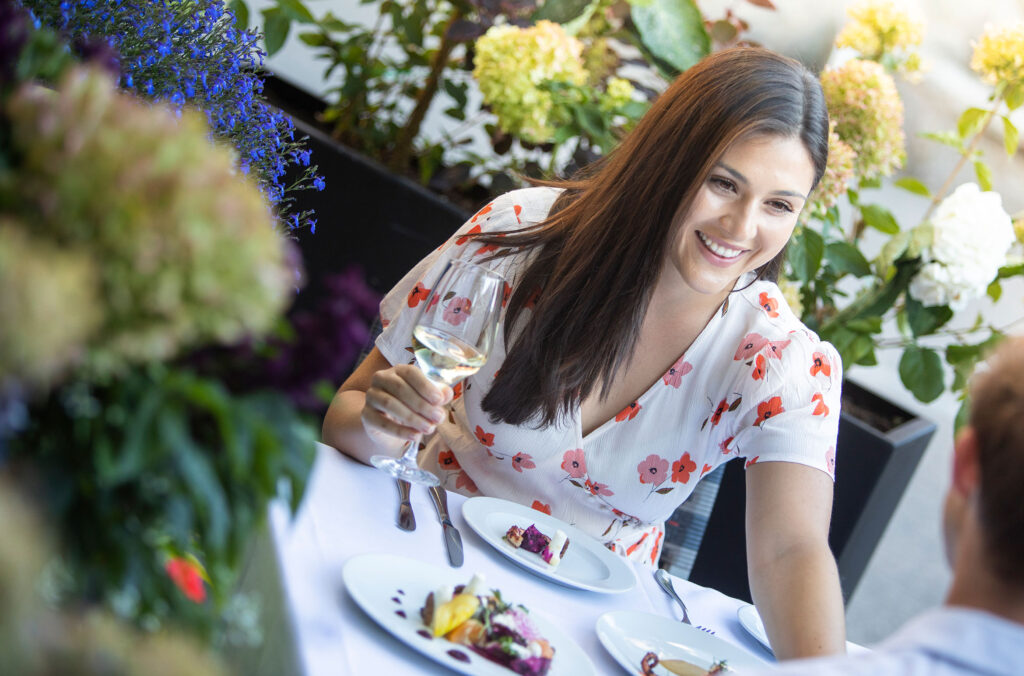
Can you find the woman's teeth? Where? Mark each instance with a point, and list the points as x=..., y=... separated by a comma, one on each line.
x=719, y=250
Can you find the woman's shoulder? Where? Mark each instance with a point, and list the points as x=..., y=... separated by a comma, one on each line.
x=516, y=209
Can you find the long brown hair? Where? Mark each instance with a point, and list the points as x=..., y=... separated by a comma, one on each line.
x=602, y=246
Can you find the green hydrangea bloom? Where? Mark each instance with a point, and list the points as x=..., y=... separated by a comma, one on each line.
x=512, y=63
x=838, y=173
x=866, y=107
x=185, y=246
x=999, y=55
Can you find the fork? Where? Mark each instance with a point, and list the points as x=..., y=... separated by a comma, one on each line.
x=406, y=519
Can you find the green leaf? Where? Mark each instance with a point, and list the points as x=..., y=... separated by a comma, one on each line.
x=805, y=253
x=673, y=30
x=1011, y=137
x=880, y=219
x=296, y=11
x=913, y=185
x=563, y=11
x=1011, y=271
x=995, y=290
x=924, y=320
x=1015, y=96
x=984, y=174
x=865, y=325
x=275, y=29
x=921, y=373
x=241, y=12
x=970, y=122
x=890, y=253
x=847, y=258
x=962, y=415
x=590, y=120
x=949, y=138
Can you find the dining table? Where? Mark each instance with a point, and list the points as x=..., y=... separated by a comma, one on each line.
x=349, y=509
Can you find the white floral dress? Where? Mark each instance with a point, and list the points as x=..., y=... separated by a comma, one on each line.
x=756, y=383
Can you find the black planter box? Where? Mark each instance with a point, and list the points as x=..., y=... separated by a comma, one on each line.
x=878, y=449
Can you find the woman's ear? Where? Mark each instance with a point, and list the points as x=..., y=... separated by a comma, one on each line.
x=966, y=467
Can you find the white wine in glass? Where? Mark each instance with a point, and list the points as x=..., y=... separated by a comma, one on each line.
x=451, y=340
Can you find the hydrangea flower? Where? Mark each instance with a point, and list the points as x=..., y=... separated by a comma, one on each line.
x=189, y=54
x=999, y=55
x=863, y=100
x=838, y=173
x=617, y=93
x=511, y=63
x=971, y=235
x=879, y=30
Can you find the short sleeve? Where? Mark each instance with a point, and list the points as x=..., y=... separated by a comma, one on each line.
x=791, y=412
x=400, y=307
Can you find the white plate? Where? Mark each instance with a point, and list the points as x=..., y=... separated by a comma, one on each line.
x=587, y=563
x=629, y=635
x=385, y=584
x=750, y=620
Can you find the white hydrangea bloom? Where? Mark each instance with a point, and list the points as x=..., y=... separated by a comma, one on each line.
x=971, y=237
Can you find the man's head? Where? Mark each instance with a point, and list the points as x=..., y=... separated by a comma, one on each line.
x=988, y=465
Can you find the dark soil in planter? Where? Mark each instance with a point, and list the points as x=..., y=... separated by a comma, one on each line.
x=873, y=410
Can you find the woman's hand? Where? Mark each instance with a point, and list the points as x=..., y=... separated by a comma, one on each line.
x=402, y=402
x=381, y=406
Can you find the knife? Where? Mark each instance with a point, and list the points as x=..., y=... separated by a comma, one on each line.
x=452, y=539
x=406, y=520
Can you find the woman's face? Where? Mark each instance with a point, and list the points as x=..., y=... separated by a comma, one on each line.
x=744, y=213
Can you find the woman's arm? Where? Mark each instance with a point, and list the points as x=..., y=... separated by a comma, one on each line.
x=793, y=575
x=380, y=407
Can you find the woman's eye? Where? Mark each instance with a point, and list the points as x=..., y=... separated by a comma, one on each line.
x=780, y=206
x=723, y=183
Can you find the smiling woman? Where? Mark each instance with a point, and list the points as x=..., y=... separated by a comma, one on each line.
x=645, y=342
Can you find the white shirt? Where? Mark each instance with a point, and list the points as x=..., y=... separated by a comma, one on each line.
x=944, y=641
x=755, y=383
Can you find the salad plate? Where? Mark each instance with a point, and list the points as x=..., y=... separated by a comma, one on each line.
x=587, y=563
x=392, y=589
x=630, y=636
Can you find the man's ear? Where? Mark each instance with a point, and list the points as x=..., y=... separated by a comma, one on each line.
x=966, y=466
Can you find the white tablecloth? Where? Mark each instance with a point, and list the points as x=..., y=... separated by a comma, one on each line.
x=350, y=509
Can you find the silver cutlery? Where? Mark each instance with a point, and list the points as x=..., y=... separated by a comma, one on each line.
x=406, y=519
x=452, y=539
x=665, y=582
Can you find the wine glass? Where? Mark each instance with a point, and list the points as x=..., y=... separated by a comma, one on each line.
x=451, y=340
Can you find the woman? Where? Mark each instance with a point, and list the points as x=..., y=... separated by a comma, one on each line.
x=645, y=344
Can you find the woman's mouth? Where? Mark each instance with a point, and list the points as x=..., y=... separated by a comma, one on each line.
x=717, y=249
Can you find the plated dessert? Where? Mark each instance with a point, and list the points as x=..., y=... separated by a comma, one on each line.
x=489, y=626
x=551, y=549
x=679, y=667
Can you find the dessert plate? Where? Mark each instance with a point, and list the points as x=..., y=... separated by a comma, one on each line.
x=587, y=563
x=392, y=589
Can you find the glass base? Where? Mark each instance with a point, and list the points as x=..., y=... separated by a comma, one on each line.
x=400, y=470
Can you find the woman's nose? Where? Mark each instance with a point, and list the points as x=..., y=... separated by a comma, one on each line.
x=741, y=221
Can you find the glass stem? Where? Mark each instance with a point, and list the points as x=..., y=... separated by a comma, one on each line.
x=410, y=453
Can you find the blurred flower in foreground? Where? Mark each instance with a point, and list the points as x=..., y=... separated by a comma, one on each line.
x=971, y=235
x=185, y=249
x=839, y=173
x=187, y=574
x=618, y=92
x=866, y=107
x=510, y=65
x=881, y=31
x=999, y=55
x=791, y=292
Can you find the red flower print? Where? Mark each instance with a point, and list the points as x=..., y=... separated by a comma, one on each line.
x=682, y=467
x=433, y=301
x=770, y=305
x=596, y=488
x=541, y=507
x=830, y=460
x=418, y=293
x=458, y=310
x=521, y=461
x=775, y=347
x=821, y=408
x=725, y=446
x=656, y=549
x=766, y=409
x=447, y=461
x=463, y=481
x=674, y=376
x=820, y=364
x=506, y=294
x=532, y=300
x=187, y=576
x=475, y=230
x=457, y=390
x=653, y=470
x=751, y=345
x=758, y=373
x=633, y=547
x=629, y=412
x=707, y=468
x=484, y=438
x=574, y=464
x=751, y=461
x=482, y=212
x=516, y=209
x=722, y=407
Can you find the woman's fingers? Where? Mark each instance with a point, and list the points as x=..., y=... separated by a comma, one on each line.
x=402, y=401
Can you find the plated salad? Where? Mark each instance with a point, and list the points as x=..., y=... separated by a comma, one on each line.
x=486, y=624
